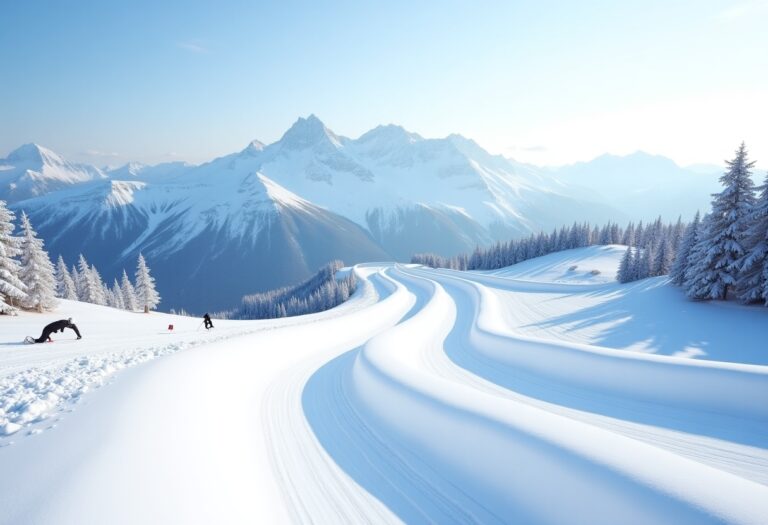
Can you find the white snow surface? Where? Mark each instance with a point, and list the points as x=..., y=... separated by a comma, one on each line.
x=429, y=397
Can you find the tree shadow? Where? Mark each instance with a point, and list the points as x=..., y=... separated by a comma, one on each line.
x=657, y=316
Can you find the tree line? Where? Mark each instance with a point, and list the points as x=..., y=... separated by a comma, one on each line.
x=320, y=292
x=30, y=281
x=579, y=235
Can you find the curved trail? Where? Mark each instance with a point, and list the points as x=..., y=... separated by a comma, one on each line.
x=209, y=435
x=440, y=417
x=413, y=402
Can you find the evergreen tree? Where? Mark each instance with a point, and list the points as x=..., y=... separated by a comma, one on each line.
x=88, y=283
x=694, y=281
x=65, y=286
x=11, y=286
x=717, y=265
x=99, y=291
x=129, y=294
x=625, y=273
x=146, y=294
x=676, y=237
x=635, y=271
x=751, y=285
x=677, y=272
x=76, y=280
x=765, y=282
x=629, y=235
x=639, y=234
x=36, y=270
x=645, y=267
x=117, y=294
x=109, y=298
x=663, y=260
x=81, y=277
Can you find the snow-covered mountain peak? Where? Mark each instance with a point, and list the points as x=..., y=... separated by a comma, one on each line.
x=31, y=170
x=385, y=141
x=34, y=154
x=253, y=148
x=132, y=168
x=140, y=171
x=390, y=134
x=308, y=132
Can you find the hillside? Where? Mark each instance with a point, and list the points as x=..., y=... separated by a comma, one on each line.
x=431, y=395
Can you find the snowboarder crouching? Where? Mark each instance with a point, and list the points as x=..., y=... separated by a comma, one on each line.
x=207, y=321
x=56, y=327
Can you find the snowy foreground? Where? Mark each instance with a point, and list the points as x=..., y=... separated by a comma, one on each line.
x=535, y=394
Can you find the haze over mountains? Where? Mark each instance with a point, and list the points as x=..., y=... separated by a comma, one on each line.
x=269, y=215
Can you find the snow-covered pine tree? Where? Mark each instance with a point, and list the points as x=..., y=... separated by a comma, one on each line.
x=11, y=286
x=99, y=289
x=146, y=294
x=663, y=259
x=117, y=294
x=88, y=283
x=109, y=297
x=574, y=236
x=655, y=234
x=716, y=268
x=624, y=274
x=639, y=234
x=677, y=272
x=637, y=262
x=692, y=280
x=645, y=268
x=36, y=270
x=77, y=281
x=65, y=286
x=604, y=237
x=81, y=274
x=752, y=285
x=765, y=282
x=129, y=294
x=629, y=235
x=678, y=230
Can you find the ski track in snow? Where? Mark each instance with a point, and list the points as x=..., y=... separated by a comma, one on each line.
x=414, y=402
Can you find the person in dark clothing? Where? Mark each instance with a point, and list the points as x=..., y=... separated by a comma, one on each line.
x=207, y=321
x=57, y=326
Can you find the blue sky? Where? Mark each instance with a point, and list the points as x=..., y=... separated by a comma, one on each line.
x=543, y=82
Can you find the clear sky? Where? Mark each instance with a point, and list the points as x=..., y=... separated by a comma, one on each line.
x=542, y=82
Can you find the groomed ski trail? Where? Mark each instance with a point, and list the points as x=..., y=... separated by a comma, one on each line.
x=412, y=402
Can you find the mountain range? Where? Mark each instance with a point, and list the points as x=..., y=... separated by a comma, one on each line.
x=270, y=215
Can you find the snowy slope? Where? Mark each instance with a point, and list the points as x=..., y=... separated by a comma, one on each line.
x=420, y=400
x=648, y=316
x=33, y=170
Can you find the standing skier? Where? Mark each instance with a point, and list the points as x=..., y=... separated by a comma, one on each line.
x=207, y=321
x=56, y=327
